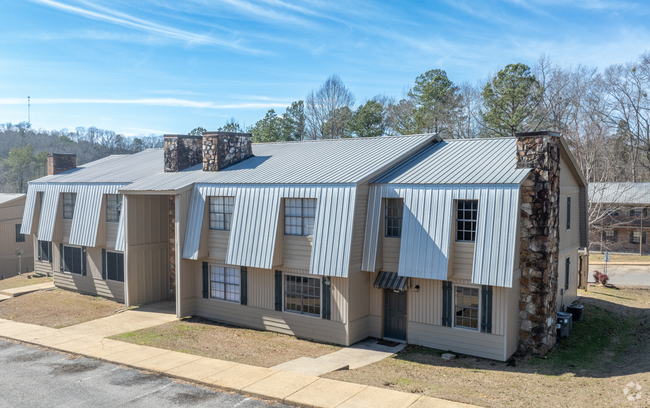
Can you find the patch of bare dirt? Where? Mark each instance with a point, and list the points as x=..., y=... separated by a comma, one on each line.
x=225, y=342
x=56, y=308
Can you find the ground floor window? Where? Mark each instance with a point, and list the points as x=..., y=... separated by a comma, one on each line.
x=636, y=237
x=466, y=301
x=302, y=295
x=224, y=283
x=610, y=236
x=45, y=251
x=72, y=259
x=115, y=266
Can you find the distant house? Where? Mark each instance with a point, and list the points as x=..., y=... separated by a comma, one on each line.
x=463, y=245
x=12, y=207
x=622, y=216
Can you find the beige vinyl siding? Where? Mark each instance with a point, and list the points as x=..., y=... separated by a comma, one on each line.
x=43, y=267
x=218, y=244
x=90, y=285
x=57, y=234
x=462, y=260
x=391, y=247
x=572, y=293
x=457, y=340
x=11, y=214
x=512, y=319
x=339, y=299
x=425, y=306
x=111, y=234
x=260, y=312
x=147, y=239
x=569, y=188
x=296, y=251
x=67, y=225
x=358, y=228
x=359, y=304
x=185, y=277
x=375, y=308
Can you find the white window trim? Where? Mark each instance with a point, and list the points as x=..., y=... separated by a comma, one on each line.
x=302, y=217
x=119, y=208
x=231, y=302
x=209, y=203
x=61, y=255
x=284, y=303
x=123, y=266
x=453, y=312
x=74, y=206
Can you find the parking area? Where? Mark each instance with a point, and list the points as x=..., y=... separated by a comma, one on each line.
x=624, y=275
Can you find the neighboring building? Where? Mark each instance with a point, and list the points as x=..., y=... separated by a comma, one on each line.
x=621, y=217
x=335, y=240
x=12, y=207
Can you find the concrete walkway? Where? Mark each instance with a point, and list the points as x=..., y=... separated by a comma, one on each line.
x=88, y=339
x=361, y=354
x=26, y=289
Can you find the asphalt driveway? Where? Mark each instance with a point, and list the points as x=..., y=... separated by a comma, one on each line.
x=624, y=275
x=35, y=378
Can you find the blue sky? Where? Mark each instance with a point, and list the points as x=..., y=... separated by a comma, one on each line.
x=159, y=66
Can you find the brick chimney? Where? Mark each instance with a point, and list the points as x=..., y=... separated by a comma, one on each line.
x=540, y=238
x=60, y=162
x=223, y=149
x=181, y=152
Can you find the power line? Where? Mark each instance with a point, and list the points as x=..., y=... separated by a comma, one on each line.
x=29, y=113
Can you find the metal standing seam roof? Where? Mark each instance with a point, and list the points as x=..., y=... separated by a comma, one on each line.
x=6, y=197
x=463, y=161
x=338, y=161
x=620, y=193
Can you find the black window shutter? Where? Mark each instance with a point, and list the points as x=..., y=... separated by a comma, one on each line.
x=49, y=252
x=631, y=237
x=104, y=263
x=327, y=298
x=567, y=264
x=206, y=281
x=278, y=291
x=83, y=260
x=632, y=213
x=446, y=304
x=243, y=289
x=615, y=236
x=643, y=238
x=603, y=236
x=61, y=257
x=40, y=250
x=568, y=213
x=486, y=313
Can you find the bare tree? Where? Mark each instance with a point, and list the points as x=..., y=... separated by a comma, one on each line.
x=327, y=110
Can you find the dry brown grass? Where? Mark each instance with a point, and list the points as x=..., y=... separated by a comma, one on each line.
x=609, y=349
x=225, y=342
x=26, y=279
x=57, y=308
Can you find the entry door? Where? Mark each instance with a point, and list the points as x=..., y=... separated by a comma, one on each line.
x=395, y=314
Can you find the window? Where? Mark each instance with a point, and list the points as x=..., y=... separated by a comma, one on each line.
x=19, y=237
x=636, y=237
x=72, y=259
x=394, y=211
x=224, y=283
x=45, y=251
x=567, y=264
x=115, y=266
x=302, y=295
x=69, y=200
x=299, y=216
x=466, y=307
x=221, y=212
x=610, y=236
x=637, y=212
x=113, y=207
x=568, y=213
x=612, y=212
x=466, y=215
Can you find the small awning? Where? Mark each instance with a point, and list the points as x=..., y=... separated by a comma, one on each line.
x=390, y=280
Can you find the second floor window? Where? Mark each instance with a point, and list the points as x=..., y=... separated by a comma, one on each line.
x=221, y=212
x=638, y=212
x=466, y=215
x=299, y=216
x=394, y=210
x=113, y=207
x=69, y=200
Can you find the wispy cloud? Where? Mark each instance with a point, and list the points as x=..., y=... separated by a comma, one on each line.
x=129, y=21
x=184, y=103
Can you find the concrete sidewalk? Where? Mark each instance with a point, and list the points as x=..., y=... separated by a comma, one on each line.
x=88, y=339
x=26, y=289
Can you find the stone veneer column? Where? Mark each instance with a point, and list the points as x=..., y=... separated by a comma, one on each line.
x=223, y=149
x=540, y=238
x=172, y=247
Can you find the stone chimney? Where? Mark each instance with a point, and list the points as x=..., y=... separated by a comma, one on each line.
x=181, y=152
x=60, y=162
x=223, y=149
x=539, y=151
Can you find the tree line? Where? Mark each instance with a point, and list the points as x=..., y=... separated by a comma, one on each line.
x=24, y=150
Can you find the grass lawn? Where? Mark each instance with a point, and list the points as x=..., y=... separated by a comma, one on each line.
x=56, y=308
x=608, y=350
x=620, y=258
x=225, y=342
x=26, y=279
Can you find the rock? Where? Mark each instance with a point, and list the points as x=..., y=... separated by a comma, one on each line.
x=448, y=356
